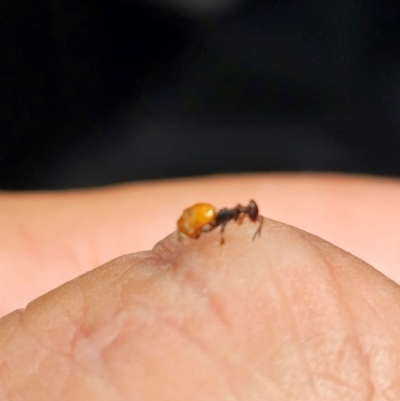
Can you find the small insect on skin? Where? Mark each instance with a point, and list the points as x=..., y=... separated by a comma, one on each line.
x=203, y=217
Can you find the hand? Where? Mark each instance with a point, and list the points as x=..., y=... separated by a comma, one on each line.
x=287, y=316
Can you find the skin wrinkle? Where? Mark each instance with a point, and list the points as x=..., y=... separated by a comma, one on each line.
x=68, y=252
x=91, y=248
x=41, y=355
x=169, y=250
x=109, y=282
x=93, y=365
x=393, y=396
x=369, y=353
x=188, y=276
x=28, y=240
x=202, y=288
x=241, y=362
x=297, y=341
x=84, y=336
x=82, y=317
x=64, y=387
x=98, y=367
x=46, y=350
x=388, y=291
x=351, y=319
x=84, y=332
x=86, y=257
x=387, y=396
x=97, y=370
x=5, y=394
x=339, y=380
x=307, y=238
x=241, y=366
x=154, y=314
x=71, y=252
x=227, y=363
x=104, y=356
x=12, y=329
x=33, y=335
x=4, y=366
x=230, y=363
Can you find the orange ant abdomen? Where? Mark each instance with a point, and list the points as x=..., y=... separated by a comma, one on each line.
x=194, y=219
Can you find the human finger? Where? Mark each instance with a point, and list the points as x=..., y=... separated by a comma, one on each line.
x=286, y=316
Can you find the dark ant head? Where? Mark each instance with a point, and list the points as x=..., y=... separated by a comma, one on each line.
x=253, y=210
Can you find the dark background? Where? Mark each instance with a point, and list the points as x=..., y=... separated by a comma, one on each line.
x=95, y=92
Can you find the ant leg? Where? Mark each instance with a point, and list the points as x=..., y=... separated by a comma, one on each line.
x=222, y=239
x=258, y=231
x=240, y=219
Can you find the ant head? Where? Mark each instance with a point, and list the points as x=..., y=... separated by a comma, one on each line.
x=253, y=210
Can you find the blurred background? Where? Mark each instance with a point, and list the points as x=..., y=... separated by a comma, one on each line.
x=99, y=92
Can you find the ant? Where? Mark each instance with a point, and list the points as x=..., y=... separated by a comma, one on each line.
x=204, y=217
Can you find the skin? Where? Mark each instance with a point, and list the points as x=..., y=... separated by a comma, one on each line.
x=288, y=316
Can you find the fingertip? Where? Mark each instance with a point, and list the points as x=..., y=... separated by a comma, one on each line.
x=274, y=314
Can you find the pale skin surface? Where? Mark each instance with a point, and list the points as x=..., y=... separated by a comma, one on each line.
x=285, y=317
